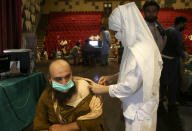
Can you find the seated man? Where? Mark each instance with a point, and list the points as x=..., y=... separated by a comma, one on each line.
x=67, y=103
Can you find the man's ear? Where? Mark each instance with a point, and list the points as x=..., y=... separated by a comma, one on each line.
x=49, y=78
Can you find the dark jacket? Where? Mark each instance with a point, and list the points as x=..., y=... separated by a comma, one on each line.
x=174, y=46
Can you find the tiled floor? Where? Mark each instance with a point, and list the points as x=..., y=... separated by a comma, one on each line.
x=177, y=120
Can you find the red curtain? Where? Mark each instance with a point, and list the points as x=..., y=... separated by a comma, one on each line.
x=10, y=24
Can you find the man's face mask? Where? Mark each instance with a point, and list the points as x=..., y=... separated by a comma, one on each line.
x=61, y=87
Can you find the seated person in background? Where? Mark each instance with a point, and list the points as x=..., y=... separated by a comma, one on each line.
x=75, y=53
x=67, y=104
x=86, y=52
x=45, y=54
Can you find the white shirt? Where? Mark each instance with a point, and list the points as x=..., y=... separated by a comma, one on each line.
x=130, y=91
x=140, y=70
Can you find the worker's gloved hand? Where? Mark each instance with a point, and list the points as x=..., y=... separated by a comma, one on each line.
x=106, y=80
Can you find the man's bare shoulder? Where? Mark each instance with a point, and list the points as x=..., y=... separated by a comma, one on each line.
x=82, y=85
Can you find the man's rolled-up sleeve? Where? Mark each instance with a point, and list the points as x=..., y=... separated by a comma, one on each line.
x=92, y=121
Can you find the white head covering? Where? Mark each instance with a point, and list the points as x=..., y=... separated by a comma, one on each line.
x=137, y=39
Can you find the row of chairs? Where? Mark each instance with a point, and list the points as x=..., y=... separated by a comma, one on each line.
x=73, y=27
x=60, y=14
x=75, y=20
x=54, y=35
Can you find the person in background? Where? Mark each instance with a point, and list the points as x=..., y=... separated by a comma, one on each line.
x=173, y=52
x=120, y=52
x=75, y=53
x=151, y=9
x=86, y=53
x=67, y=103
x=106, y=38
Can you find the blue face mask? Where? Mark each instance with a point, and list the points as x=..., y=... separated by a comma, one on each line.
x=61, y=87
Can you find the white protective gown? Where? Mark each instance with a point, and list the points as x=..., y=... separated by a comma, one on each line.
x=138, y=82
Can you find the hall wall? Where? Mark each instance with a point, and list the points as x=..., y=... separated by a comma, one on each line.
x=97, y=5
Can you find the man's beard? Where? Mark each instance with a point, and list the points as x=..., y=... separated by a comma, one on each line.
x=64, y=97
x=182, y=29
x=151, y=19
